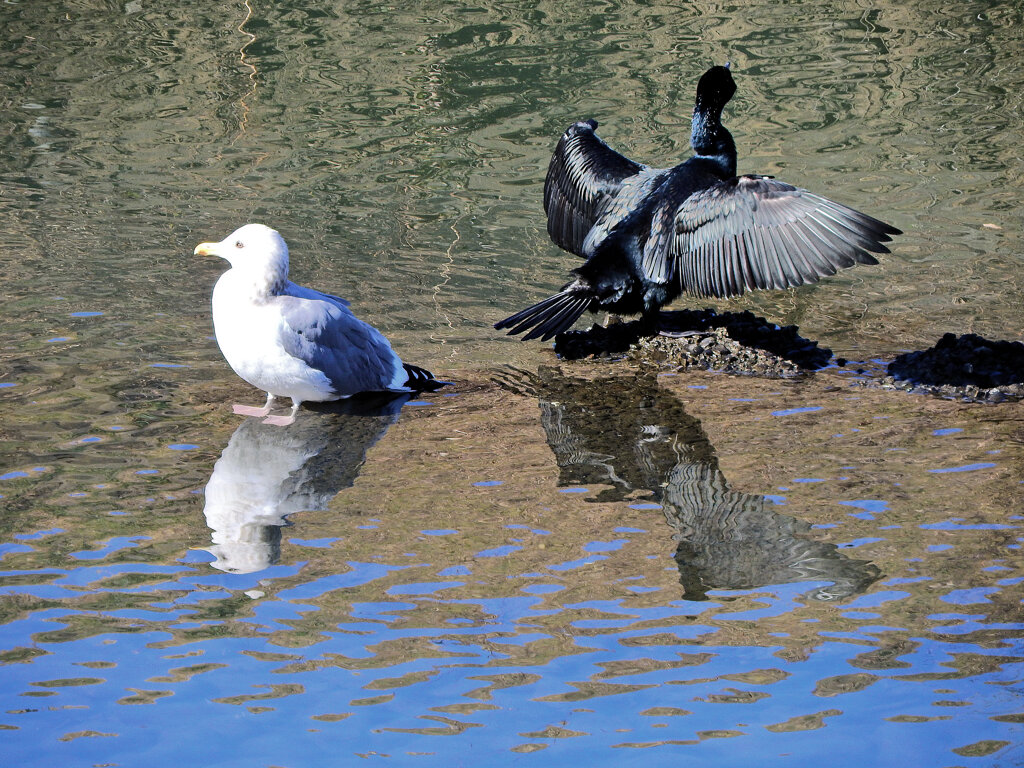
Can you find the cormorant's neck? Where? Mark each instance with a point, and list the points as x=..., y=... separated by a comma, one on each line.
x=712, y=141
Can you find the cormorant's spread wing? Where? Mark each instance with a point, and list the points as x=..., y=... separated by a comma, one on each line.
x=583, y=174
x=756, y=232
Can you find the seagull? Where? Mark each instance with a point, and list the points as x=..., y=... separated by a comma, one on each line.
x=292, y=341
x=650, y=234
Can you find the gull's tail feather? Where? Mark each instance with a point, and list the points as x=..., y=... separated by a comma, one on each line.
x=550, y=317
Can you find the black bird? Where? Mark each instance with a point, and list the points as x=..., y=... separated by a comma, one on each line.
x=648, y=234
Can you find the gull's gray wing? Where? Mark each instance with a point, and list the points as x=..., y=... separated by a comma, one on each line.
x=293, y=289
x=325, y=334
x=756, y=232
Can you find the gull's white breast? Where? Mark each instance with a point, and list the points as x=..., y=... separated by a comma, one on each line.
x=249, y=334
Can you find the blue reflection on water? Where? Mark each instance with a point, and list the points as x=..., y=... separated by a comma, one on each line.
x=502, y=551
x=571, y=565
x=793, y=411
x=969, y=596
x=300, y=690
x=965, y=468
x=360, y=573
x=870, y=507
x=324, y=543
x=455, y=570
x=543, y=589
x=605, y=546
x=860, y=542
x=7, y=549
x=951, y=525
x=115, y=544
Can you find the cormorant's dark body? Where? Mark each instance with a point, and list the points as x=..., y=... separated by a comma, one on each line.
x=650, y=234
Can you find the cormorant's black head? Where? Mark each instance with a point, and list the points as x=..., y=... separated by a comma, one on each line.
x=714, y=89
x=708, y=137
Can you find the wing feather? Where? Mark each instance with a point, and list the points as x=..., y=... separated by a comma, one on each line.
x=584, y=175
x=757, y=232
x=324, y=334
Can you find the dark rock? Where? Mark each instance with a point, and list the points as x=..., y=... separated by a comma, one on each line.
x=967, y=367
x=735, y=342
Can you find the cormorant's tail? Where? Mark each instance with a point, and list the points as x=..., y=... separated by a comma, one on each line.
x=421, y=380
x=550, y=317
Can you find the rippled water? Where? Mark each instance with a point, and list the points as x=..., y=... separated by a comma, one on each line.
x=561, y=559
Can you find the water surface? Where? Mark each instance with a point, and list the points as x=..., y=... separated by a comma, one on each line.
x=547, y=559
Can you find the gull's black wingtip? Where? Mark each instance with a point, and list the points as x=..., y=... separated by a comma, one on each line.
x=422, y=380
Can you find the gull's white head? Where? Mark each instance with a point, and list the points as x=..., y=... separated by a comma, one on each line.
x=255, y=250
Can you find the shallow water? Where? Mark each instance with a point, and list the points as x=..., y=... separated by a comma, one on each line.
x=554, y=558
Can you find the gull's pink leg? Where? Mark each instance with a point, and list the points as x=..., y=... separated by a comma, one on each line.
x=249, y=410
x=284, y=421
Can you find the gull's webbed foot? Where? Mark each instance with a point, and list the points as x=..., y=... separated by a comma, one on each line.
x=250, y=410
x=284, y=421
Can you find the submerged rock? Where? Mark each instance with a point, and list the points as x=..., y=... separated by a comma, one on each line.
x=734, y=342
x=968, y=367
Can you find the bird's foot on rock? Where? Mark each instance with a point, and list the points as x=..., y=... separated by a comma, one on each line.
x=250, y=410
x=280, y=421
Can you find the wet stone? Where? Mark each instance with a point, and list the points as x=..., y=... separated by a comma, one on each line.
x=734, y=342
x=967, y=367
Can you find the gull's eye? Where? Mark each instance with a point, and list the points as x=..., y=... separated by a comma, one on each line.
x=239, y=244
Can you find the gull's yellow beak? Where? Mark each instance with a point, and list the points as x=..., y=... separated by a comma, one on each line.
x=205, y=249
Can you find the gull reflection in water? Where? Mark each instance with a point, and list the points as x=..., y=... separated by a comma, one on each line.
x=631, y=435
x=268, y=472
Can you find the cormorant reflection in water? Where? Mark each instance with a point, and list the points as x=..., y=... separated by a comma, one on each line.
x=629, y=434
x=268, y=472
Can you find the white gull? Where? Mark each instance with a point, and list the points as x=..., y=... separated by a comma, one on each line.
x=293, y=341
